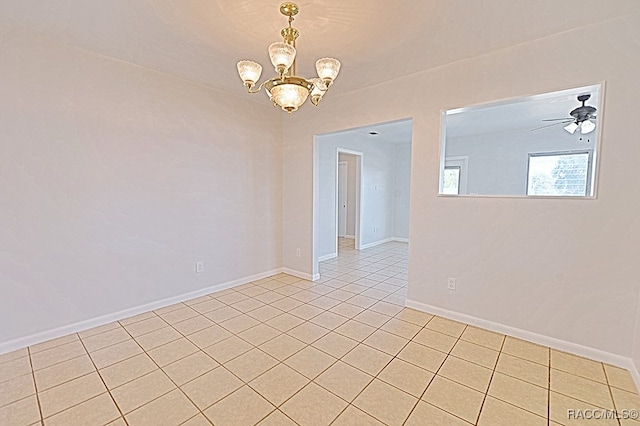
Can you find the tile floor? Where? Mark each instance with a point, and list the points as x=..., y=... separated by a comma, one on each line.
x=284, y=351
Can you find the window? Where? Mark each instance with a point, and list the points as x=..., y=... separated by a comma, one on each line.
x=560, y=173
x=451, y=181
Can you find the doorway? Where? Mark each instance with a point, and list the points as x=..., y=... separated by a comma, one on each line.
x=348, y=198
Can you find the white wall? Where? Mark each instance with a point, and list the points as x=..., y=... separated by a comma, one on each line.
x=116, y=179
x=401, y=190
x=351, y=191
x=566, y=269
x=378, y=188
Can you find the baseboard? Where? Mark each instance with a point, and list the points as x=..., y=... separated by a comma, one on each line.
x=375, y=243
x=44, y=336
x=400, y=240
x=562, y=345
x=327, y=257
x=299, y=274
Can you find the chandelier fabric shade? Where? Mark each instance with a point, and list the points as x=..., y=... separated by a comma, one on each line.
x=287, y=90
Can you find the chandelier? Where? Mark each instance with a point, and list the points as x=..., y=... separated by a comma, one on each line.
x=287, y=90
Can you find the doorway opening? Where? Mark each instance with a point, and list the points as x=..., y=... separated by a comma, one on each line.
x=348, y=198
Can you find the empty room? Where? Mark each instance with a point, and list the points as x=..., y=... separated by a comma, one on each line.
x=319, y=213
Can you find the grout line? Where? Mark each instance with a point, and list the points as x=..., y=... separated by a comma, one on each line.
x=35, y=386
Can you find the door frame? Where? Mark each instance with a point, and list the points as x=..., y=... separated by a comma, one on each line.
x=359, y=168
x=345, y=186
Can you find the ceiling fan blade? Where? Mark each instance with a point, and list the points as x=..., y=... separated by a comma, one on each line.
x=559, y=119
x=548, y=125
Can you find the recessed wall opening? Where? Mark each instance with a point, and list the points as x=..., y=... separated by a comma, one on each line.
x=362, y=181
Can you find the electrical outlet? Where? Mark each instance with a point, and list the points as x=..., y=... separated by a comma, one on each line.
x=298, y=252
x=199, y=267
x=451, y=284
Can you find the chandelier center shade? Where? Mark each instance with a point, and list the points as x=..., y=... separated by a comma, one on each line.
x=287, y=90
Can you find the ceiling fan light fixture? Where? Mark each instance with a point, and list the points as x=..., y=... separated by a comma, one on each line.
x=287, y=90
x=587, y=126
x=572, y=127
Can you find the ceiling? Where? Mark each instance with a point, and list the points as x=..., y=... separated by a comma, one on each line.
x=376, y=41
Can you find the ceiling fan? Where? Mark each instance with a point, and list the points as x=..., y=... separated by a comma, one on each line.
x=581, y=118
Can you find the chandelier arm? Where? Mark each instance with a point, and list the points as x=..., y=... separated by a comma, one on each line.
x=249, y=89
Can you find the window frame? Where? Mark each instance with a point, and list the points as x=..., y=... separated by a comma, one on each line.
x=590, y=172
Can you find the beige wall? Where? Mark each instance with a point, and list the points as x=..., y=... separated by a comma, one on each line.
x=562, y=268
x=115, y=180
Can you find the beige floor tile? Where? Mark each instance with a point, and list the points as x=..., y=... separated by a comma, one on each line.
x=579, y=366
x=95, y=411
x=427, y=414
x=50, y=357
x=499, y=413
x=100, y=329
x=620, y=378
x=49, y=344
x=265, y=313
x=307, y=332
x=422, y=356
x=310, y=362
x=520, y=393
x=582, y=389
x=526, y=350
x=14, y=368
x=282, y=347
x=335, y=344
x=284, y=322
x=207, y=306
x=169, y=308
x=413, y=316
x=475, y=353
x=239, y=324
x=142, y=390
x=63, y=372
x=454, y=398
x=313, y=405
x=483, y=337
x=177, y=315
x=344, y=380
x=251, y=364
x=279, y=384
x=223, y=314
x=324, y=302
x=362, y=301
x=355, y=330
x=269, y=297
x=406, y=377
x=170, y=409
x=342, y=295
x=253, y=291
x=386, y=403
x=211, y=387
x=346, y=310
x=158, y=338
x=227, y=349
x=119, y=422
x=190, y=367
x=626, y=400
x=329, y=320
x=201, y=299
x=243, y=407
x=259, y=334
x=108, y=338
x=277, y=418
x=446, y=326
x=137, y=318
x=198, y=420
x=401, y=328
x=17, y=388
x=305, y=296
x=22, y=412
x=306, y=312
x=570, y=412
x=386, y=342
x=116, y=353
x=59, y=398
x=125, y=371
x=466, y=373
x=367, y=359
x=286, y=304
x=231, y=298
x=14, y=355
x=193, y=324
x=209, y=336
x=374, y=319
x=523, y=369
x=435, y=340
x=172, y=351
x=386, y=308
x=145, y=326
x=353, y=416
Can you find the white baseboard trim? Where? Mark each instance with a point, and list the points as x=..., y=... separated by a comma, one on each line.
x=23, y=342
x=375, y=243
x=552, y=342
x=327, y=257
x=400, y=240
x=299, y=274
